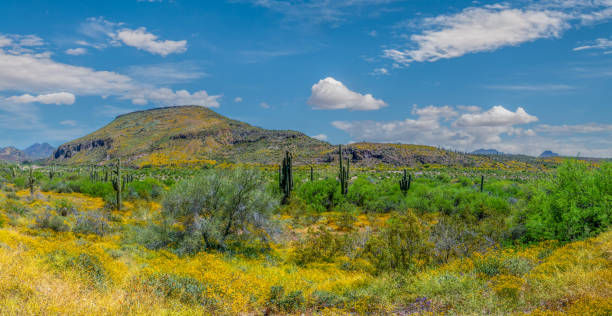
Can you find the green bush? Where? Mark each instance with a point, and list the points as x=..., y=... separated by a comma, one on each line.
x=321, y=195
x=575, y=204
x=217, y=205
x=399, y=245
x=318, y=245
x=88, y=266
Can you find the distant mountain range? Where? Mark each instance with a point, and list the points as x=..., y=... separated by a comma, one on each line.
x=483, y=151
x=548, y=154
x=34, y=152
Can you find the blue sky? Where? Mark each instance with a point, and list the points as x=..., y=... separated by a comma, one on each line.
x=519, y=76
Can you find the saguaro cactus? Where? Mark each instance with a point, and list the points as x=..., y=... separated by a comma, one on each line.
x=51, y=172
x=285, y=176
x=405, y=182
x=481, y=183
x=117, y=183
x=31, y=181
x=344, y=172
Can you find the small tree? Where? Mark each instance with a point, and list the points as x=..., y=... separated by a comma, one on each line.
x=399, y=245
x=218, y=204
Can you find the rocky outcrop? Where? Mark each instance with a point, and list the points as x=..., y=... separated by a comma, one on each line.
x=67, y=151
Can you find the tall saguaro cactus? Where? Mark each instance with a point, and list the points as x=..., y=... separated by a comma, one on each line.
x=481, y=183
x=405, y=182
x=117, y=183
x=31, y=181
x=285, y=176
x=344, y=172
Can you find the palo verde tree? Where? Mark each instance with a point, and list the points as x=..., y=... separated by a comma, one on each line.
x=217, y=205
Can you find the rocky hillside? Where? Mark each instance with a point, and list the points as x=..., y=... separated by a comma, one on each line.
x=182, y=135
x=193, y=134
x=12, y=154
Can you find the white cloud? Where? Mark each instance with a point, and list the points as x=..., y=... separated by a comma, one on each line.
x=496, y=116
x=443, y=125
x=477, y=30
x=380, y=71
x=264, y=105
x=69, y=123
x=38, y=73
x=322, y=137
x=600, y=43
x=469, y=108
x=331, y=94
x=575, y=129
x=532, y=87
x=143, y=40
x=50, y=98
x=167, y=96
x=167, y=73
x=76, y=51
x=238, y=99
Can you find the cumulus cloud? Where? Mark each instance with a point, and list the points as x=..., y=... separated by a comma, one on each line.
x=331, y=94
x=264, y=105
x=165, y=96
x=50, y=98
x=146, y=41
x=496, y=116
x=238, y=99
x=321, y=137
x=446, y=126
x=76, y=51
x=105, y=33
x=380, y=71
x=477, y=30
x=39, y=74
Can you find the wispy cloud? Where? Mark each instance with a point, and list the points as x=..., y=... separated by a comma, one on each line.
x=531, y=87
x=491, y=27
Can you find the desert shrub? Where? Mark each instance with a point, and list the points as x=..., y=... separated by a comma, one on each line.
x=321, y=195
x=489, y=266
x=93, y=222
x=91, y=188
x=318, y=245
x=87, y=266
x=575, y=204
x=183, y=288
x=147, y=189
x=51, y=221
x=219, y=204
x=381, y=196
x=517, y=266
x=14, y=207
x=278, y=301
x=399, y=245
x=64, y=207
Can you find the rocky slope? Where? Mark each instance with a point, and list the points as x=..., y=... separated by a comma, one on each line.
x=193, y=134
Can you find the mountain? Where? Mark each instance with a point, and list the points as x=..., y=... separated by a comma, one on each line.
x=483, y=151
x=185, y=134
x=39, y=151
x=194, y=134
x=548, y=153
x=12, y=154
